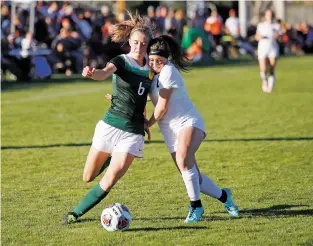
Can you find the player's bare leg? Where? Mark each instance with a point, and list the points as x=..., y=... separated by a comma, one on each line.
x=271, y=78
x=262, y=66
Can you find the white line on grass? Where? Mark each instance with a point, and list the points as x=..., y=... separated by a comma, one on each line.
x=52, y=96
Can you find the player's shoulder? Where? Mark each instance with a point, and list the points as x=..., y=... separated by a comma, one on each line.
x=260, y=24
x=168, y=70
x=276, y=25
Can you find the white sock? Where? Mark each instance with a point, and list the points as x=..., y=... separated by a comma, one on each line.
x=191, y=180
x=263, y=76
x=271, y=82
x=209, y=188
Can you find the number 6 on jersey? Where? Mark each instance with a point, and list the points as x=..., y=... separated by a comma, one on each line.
x=141, y=89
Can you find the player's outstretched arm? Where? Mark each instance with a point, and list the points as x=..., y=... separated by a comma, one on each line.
x=99, y=74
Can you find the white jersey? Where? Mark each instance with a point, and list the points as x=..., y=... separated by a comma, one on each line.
x=232, y=23
x=267, y=32
x=268, y=46
x=180, y=112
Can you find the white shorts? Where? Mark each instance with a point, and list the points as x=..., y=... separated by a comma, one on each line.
x=170, y=134
x=266, y=50
x=110, y=139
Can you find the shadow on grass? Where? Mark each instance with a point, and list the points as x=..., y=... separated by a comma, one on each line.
x=203, y=218
x=186, y=227
x=85, y=220
x=276, y=211
x=161, y=141
x=167, y=228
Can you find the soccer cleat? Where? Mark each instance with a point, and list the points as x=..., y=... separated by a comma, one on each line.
x=194, y=214
x=230, y=205
x=70, y=218
x=264, y=86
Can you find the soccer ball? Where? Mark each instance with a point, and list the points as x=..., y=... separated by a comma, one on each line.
x=116, y=217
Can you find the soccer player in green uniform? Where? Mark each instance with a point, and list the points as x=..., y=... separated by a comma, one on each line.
x=121, y=132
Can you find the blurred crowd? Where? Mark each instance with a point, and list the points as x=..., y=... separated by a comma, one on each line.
x=74, y=36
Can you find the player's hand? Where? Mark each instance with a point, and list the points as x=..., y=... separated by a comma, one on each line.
x=147, y=130
x=88, y=72
x=108, y=96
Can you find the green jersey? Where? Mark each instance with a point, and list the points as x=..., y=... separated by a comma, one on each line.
x=131, y=84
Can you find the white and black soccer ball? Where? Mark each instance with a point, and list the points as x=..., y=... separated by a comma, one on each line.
x=116, y=217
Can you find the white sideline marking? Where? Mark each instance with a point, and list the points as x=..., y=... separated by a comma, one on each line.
x=52, y=96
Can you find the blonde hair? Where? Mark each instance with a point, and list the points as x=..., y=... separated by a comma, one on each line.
x=124, y=30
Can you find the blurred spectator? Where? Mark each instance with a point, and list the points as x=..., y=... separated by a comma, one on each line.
x=28, y=42
x=84, y=27
x=170, y=21
x=5, y=20
x=232, y=24
x=160, y=14
x=198, y=20
x=11, y=42
x=66, y=49
x=52, y=10
x=151, y=15
x=105, y=15
x=180, y=22
x=294, y=40
x=77, y=35
x=50, y=30
x=196, y=53
x=88, y=16
x=308, y=41
x=214, y=26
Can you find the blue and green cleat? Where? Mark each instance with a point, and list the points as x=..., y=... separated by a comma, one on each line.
x=230, y=205
x=194, y=214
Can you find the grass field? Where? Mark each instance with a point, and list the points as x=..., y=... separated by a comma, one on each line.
x=260, y=145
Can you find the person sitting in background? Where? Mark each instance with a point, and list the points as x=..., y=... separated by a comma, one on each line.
x=232, y=24
x=294, y=41
x=28, y=42
x=66, y=49
x=84, y=28
x=195, y=52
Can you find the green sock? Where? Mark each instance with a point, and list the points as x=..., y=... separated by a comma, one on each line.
x=105, y=165
x=91, y=199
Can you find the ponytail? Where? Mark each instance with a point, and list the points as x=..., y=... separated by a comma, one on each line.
x=178, y=56
x=123, y=31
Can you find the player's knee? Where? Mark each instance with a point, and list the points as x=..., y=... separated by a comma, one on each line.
x=87, y=177
x=181, y=156
x=107, y=182
x=184, y=161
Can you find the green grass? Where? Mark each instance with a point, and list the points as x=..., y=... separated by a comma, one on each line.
x=259, y=145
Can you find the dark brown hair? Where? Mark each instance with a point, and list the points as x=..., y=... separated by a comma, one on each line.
x=170, y=46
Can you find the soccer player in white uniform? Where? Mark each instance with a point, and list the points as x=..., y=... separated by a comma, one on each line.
x=267, y=33
x=181, y=124
x=121, y=132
